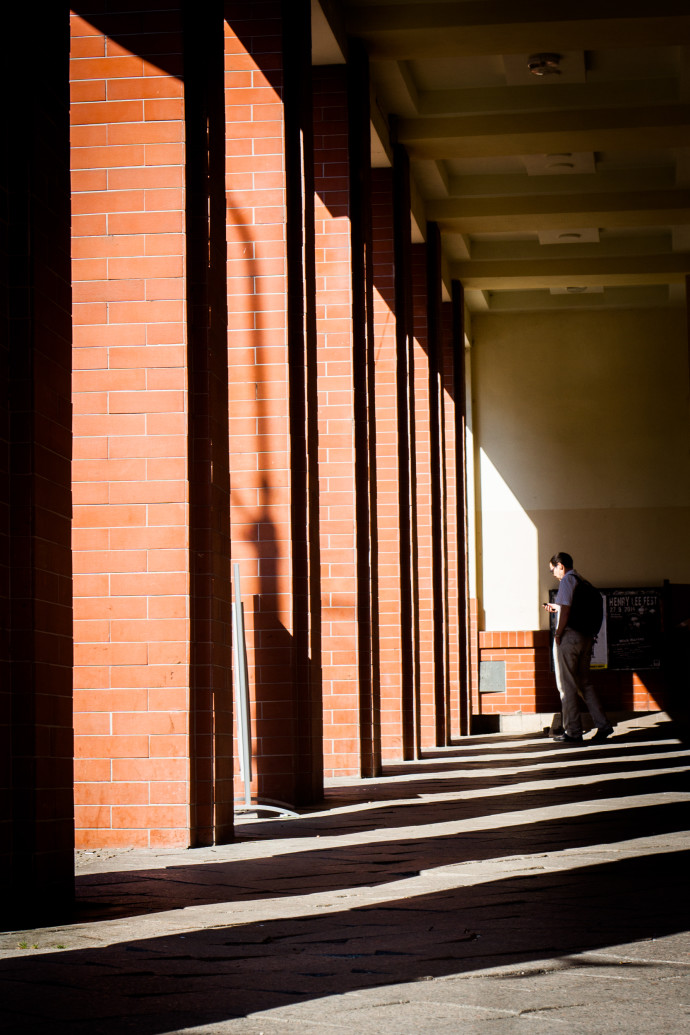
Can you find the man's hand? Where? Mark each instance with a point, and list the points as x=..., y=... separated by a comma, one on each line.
x=564, y=610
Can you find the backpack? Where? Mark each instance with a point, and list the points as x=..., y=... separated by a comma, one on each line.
x=587, y=608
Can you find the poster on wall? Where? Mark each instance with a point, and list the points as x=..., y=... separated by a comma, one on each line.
x=630, y=637
x=600, y=648
x=633, y=620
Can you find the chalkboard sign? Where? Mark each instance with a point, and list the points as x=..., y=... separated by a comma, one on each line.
x=633, y=628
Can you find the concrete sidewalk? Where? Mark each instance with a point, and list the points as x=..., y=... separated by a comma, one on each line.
x=508, y=884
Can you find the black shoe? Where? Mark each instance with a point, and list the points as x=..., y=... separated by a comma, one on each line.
x=565, y=738
x=602, y=734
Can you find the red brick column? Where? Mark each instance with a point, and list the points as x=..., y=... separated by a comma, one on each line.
x=130, y=427
x=387, y=480
x=347, y=419
x=406, y=453
x=474, y=633
x=439, y=514
x=336, y=438
x=453, y=535
x=36, y=744
x=270, y=381
x=466, y=622
x=364, y=410
x=211, y=705
x=424, y=571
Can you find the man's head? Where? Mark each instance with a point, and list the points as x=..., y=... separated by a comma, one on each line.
x=559, y=564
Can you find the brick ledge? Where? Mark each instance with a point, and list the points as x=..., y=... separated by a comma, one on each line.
x=530, y=638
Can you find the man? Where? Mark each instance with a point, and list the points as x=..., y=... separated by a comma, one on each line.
x=572, y=652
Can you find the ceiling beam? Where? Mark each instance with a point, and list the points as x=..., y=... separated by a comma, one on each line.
x=490, y=249
x=540, y=97
x=522, y=185
x=589, y=272
x=552, y=212
x=486, y=136
x=657, y=295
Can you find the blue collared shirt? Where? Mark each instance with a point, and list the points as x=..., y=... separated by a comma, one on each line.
x=566, y=588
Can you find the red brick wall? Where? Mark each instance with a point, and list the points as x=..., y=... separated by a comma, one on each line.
x=137, y=430
x=198, y=392
x=531, y=684
x=631, y=691
x=130, y=425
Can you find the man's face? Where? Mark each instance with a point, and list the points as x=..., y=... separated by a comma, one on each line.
x=558, y=571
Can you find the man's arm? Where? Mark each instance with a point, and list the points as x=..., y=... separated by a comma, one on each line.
x=562, y=621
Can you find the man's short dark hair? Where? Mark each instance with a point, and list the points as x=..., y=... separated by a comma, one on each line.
x=562, y=558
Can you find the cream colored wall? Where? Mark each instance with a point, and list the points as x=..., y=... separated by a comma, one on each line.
x=582, y=443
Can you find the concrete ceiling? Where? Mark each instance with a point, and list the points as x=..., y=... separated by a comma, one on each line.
x=566, y=190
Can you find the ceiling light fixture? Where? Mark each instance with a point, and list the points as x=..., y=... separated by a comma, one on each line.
x=560, y=161
x=544, y=64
